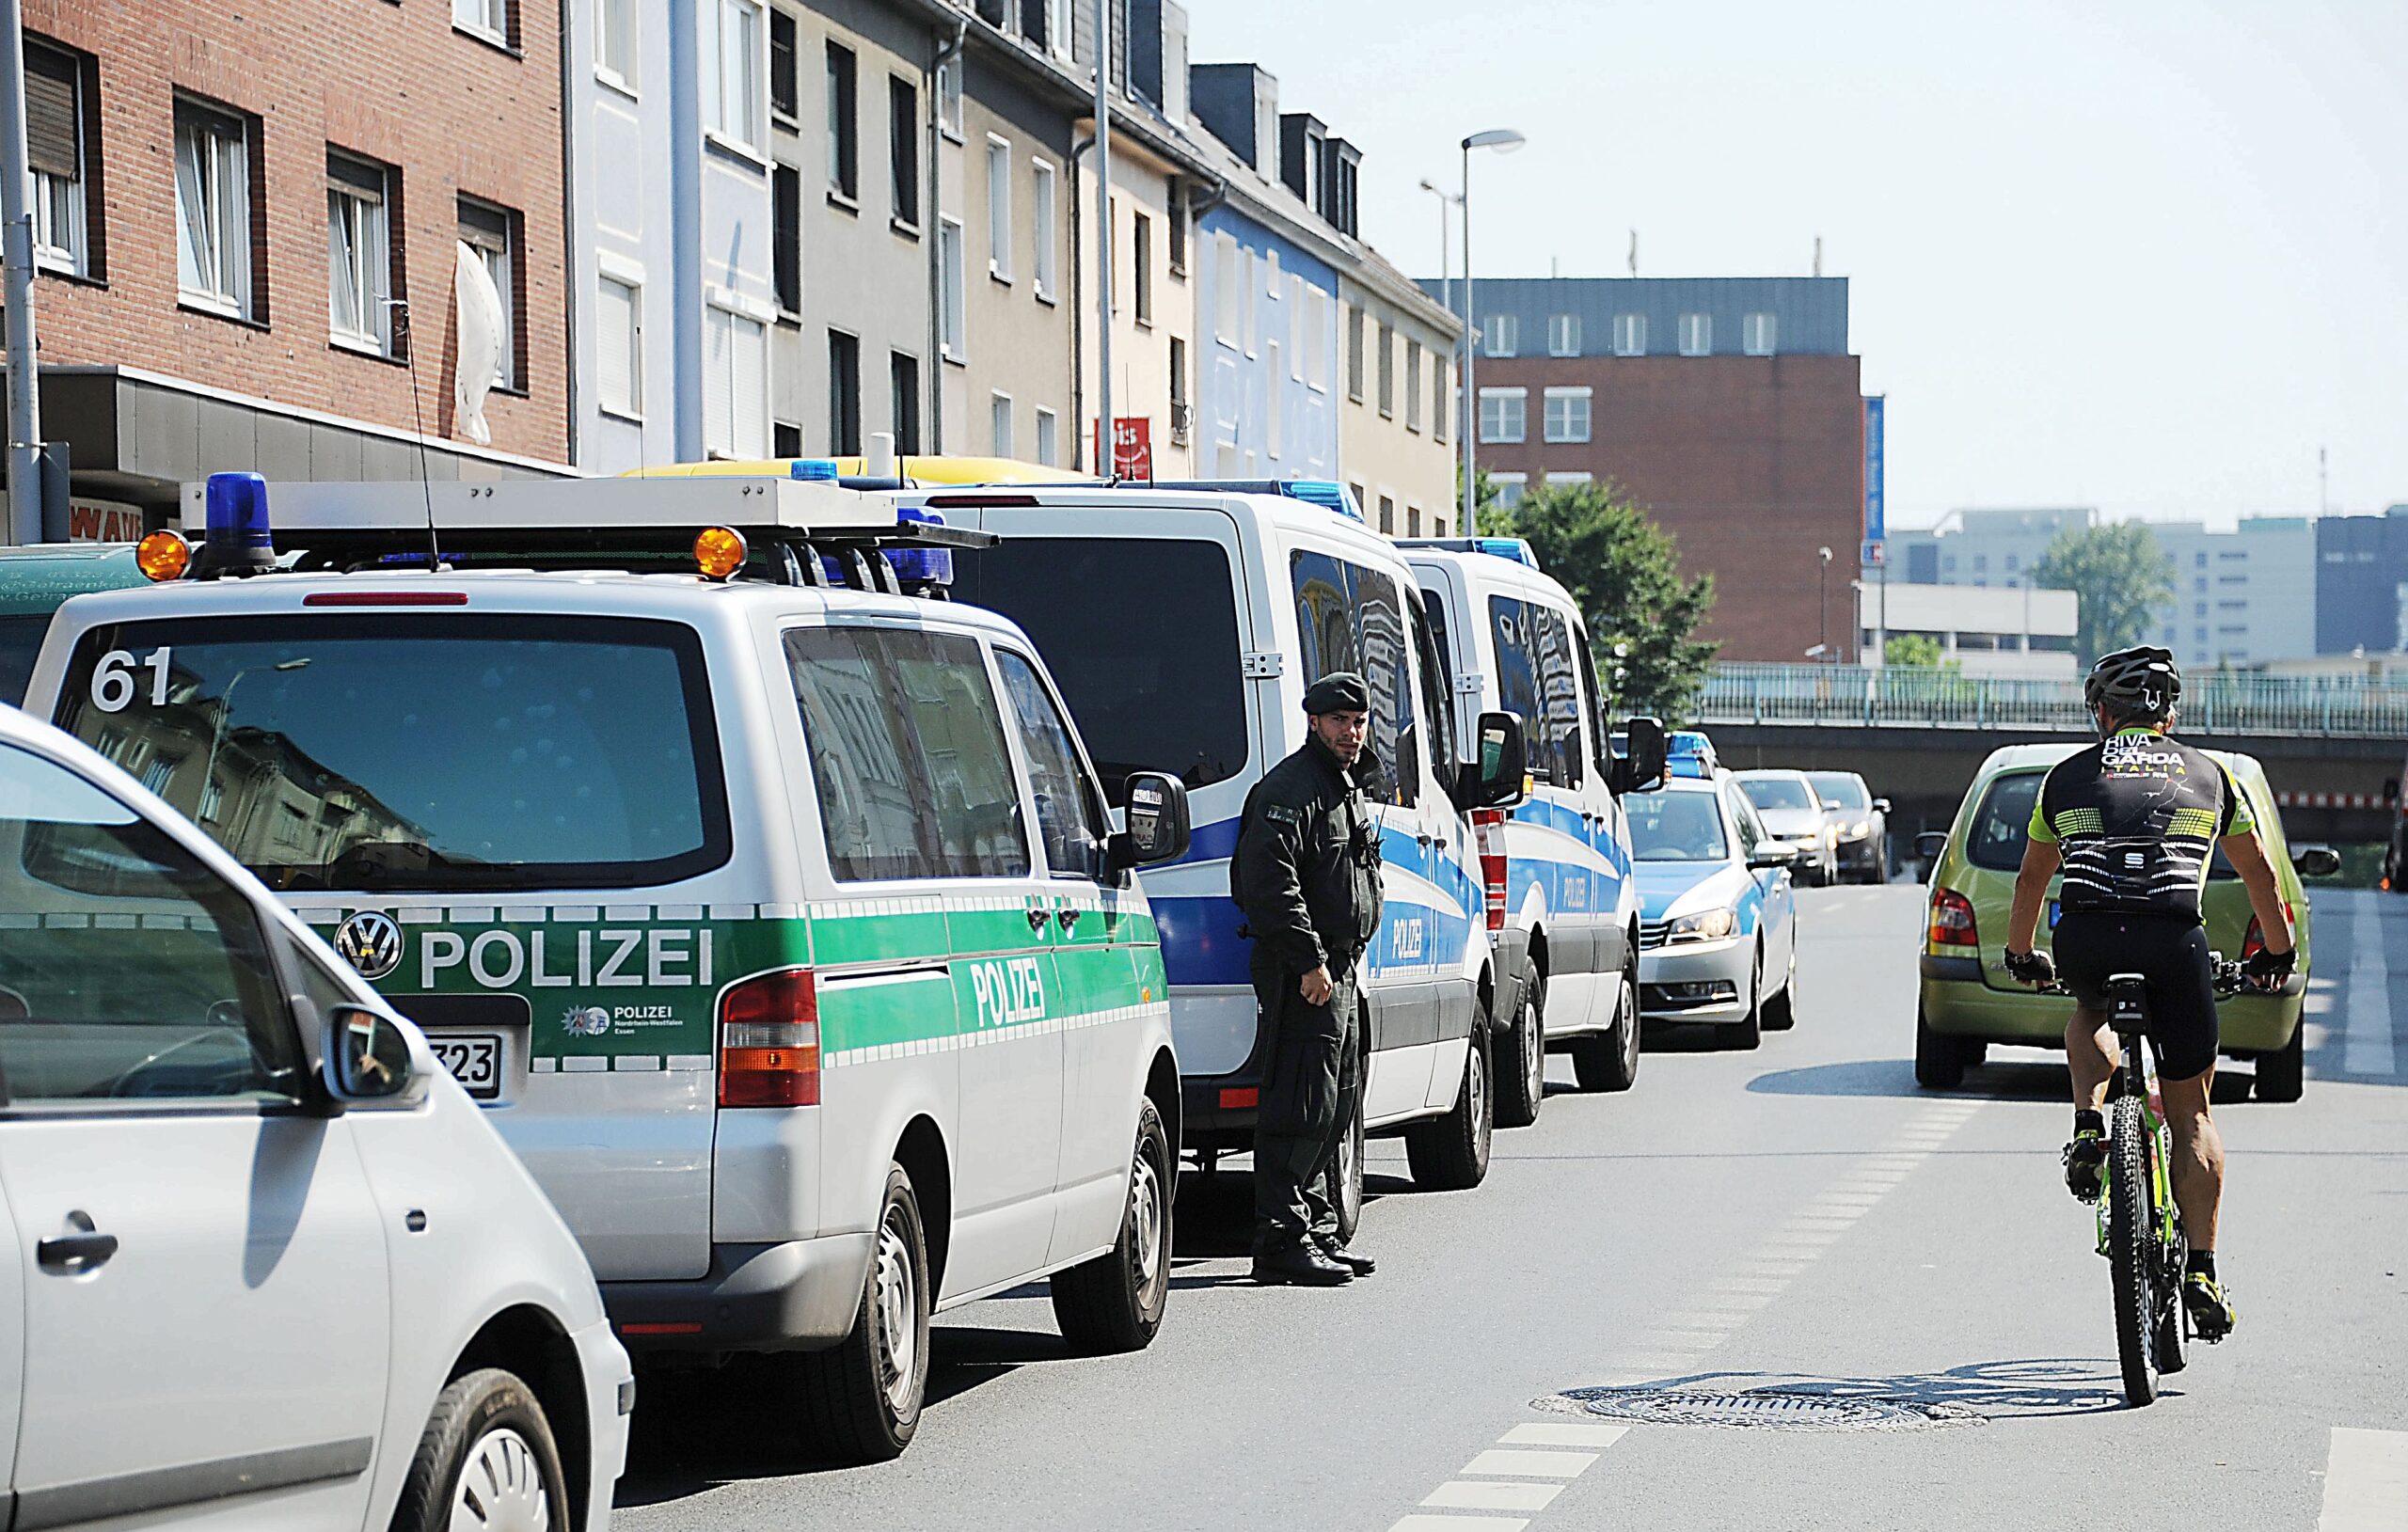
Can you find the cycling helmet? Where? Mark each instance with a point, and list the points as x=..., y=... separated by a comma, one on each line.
x=2139, y=683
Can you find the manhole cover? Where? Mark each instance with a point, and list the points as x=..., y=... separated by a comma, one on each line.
x=1766, y=1409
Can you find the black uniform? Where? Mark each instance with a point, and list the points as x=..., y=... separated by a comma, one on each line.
x=1307, y=873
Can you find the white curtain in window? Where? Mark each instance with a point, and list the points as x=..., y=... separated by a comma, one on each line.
x=482, y=331
x=212, y=205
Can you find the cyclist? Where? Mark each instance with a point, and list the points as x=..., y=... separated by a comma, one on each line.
x=2134, y=821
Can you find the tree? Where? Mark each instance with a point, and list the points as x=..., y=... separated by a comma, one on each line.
x=1912, y=649
x=1622, y=569
x=2120, y=575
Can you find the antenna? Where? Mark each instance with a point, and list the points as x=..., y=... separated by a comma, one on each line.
x=1818, y=255
x=426, y=481
x=2323, y=498
x=1633, y=252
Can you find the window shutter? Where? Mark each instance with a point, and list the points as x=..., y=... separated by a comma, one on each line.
x=719, y=426
x=52, y=129
x=749, y=347
x=616, y=345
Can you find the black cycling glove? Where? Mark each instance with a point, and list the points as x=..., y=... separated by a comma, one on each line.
x=2263, y=964
x=2032, y=968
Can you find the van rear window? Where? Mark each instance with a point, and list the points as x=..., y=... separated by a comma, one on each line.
x=416, y=750
x=1141, y=634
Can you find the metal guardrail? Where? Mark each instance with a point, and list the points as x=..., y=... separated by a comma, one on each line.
x=1920, y=697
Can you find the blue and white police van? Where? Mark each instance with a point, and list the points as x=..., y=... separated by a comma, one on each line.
x=1568, y=924
x=1183, y=624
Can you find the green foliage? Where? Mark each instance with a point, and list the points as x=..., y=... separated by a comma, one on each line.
x=1622, y=569
x=1489, y=519
x=1912, y=649
x=2121, y=576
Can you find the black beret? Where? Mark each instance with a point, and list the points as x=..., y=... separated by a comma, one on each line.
x=1339, y=691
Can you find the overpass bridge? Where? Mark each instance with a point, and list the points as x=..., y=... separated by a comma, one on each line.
x=2331, y=747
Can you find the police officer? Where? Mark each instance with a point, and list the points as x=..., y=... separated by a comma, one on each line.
x=1306, y=874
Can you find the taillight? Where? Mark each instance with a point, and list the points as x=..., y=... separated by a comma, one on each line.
x=768, y=1041
x=1951, y=920
x=1489, y=825
x=2254, y=941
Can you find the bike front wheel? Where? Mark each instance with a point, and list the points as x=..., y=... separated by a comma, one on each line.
x=2130, y=1235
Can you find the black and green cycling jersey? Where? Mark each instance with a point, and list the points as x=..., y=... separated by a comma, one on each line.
x=2136, y=817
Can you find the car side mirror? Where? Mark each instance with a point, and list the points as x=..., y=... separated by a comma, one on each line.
x=1500, y=775
x=1158, y=829
x=1641, y=767
x=1834, y=805
x=1930, y=844
x=1881, y=806
x=368, y=1055
x=2316, y=860
x=1768, y=855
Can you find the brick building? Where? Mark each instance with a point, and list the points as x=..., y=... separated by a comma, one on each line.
x=226, y=202
x=1730, y=409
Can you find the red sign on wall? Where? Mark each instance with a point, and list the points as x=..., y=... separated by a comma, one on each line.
x=1133, y=448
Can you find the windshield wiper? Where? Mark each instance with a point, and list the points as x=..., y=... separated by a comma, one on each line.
x=395, y=863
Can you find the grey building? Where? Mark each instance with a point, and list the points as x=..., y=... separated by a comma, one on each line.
x=2362, y=583
x=1680, y=316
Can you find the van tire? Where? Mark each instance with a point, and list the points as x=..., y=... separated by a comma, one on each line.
x=488, y=1415
x=1609, y=1061
x=857, y=1403
x=1114, y=1303
x=2282, y=1075
x=1521, y=1064
x=1450, y=1153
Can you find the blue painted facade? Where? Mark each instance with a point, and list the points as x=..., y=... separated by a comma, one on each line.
x=1263, y=410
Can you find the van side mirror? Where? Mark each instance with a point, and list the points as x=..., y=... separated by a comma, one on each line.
x=2316, y=860
x=1158, y=826
x=367, y=1055
x=1500, y=773
x=1640, y=767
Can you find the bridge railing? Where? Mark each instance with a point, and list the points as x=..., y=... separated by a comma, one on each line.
x=1918, y=696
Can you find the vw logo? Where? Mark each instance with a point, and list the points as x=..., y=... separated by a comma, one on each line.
x=370, y=942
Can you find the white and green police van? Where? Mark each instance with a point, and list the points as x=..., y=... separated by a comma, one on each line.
x=779, y=920
x=1185, y=622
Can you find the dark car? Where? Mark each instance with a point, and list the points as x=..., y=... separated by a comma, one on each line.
x=1859, y=824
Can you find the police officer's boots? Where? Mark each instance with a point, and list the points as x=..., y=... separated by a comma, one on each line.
x=1300, y=1266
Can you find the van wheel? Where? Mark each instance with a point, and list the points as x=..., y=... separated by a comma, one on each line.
x=1611, y=1062
x=1346, y=1175
x=1521, y=1081
x=1940, y=1059
x=861, y=1400
x=2282, y=1075
x=1450, y=1153
x=1114, y=1303
x=486, y=1459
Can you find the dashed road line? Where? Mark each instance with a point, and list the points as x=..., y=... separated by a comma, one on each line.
x=1512, y=1475
x=2365, y=1481
x=2367, y=1046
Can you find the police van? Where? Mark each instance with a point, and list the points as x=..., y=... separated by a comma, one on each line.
x=1570, y=914
x=772, y=906
x=1185, y=625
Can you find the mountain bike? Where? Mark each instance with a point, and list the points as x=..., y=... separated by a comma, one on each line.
x=2140, y=1228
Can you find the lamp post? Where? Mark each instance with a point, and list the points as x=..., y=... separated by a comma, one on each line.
x=1445, y=248
x=1822, y=603
x=1503, y=140
x=225, y=712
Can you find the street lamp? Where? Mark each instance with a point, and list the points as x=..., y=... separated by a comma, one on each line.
x=1445, y=248
x=226, y=711
x=1503, y=140
x=1822, y=603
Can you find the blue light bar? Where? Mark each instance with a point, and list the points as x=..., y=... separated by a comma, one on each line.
x=1509, y=548
x=814, y=469
x=1326, y=493
x=921, y=566
x=237, y=539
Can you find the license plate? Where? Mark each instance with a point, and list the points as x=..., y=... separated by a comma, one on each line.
x=474, y=1059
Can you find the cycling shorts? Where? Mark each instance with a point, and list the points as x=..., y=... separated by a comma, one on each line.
x=2172, y=951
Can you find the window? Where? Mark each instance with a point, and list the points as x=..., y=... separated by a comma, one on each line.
x=730, y=70
x=213, y=211
x=1291, y=307
x=488, y=19
x=1567, y=414
x=1563, y=335
x=1070, y=813
x=1630, y=335
x=1509, y=488
x=786, y=64
x=1413, y=385
x=1355, y=354
x=1536, y=667
x=999, y=210
x=785, y=439
x=614, y=45
x=1413, y=521
x=908, y=754
x=844, y=125
x=951, y=324
x=949, y=100
x=1049, y=438
x=1441, y=398
x=1274, y=385
x=1046, y=254
x=1387, y=517
x=1179, y=422
x=1756, y=335
x=55, y=101
x=492, y=233
x=999, y=416
x=844, y=394
x=359, y=254
x=2013, y=563
x=1228, y=302
x=1387, y=368
x=1141, y=265
x=1697, y=335
x=1500, y=335
x=1176, y=218
x=736, y=385
x=1246, y=291
x=1504, y=414
x=903, y=147
x=1981, y=563
x=619, y=346
x=1349, y=618
x=785, y=236
x=903, y=406
x=1576, y=476
x=1316, y=338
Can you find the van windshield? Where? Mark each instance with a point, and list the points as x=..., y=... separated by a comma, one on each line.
x=444, y=752
x=1141, y=636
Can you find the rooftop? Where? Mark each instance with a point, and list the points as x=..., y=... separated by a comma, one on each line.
x=1740, y=315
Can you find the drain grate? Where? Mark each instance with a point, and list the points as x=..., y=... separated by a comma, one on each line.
x=1765, y=1409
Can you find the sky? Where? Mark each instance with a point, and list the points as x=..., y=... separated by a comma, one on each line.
x=2143, y=255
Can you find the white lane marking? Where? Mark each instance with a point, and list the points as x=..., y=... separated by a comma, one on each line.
x=1693, y=1340
x=1764, y=1286
x=1460, y=1524
x=1525, y=1464
x=2367, y=1049
x=1464, y=1494
x=2365, y=1481
x=1695, y=1321
x=1551, y=1433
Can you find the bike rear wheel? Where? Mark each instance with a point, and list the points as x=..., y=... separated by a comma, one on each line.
x=2129, y=1237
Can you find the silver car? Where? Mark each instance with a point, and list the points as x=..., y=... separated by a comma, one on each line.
x=1717, y=915
x=1791, y=811
x=1859, y=824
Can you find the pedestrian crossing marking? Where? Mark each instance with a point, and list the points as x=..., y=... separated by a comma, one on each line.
x=2365, y=1481
x=1468, y=1494
x=1523, y=1463
x=1552, y=1433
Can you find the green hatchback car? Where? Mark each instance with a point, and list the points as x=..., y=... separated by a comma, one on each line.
x=1968, y=1001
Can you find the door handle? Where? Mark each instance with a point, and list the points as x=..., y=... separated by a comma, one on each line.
x=72, y=1254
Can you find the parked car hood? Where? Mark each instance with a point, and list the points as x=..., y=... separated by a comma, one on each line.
x=1669, y=888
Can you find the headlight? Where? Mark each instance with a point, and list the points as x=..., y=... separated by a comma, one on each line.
x=1863, y=828
x=1705, y=925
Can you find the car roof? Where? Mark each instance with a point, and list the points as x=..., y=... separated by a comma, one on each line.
x=1284, y=514
x=1768, y=773
x=2015, y=758
x=35, y=579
